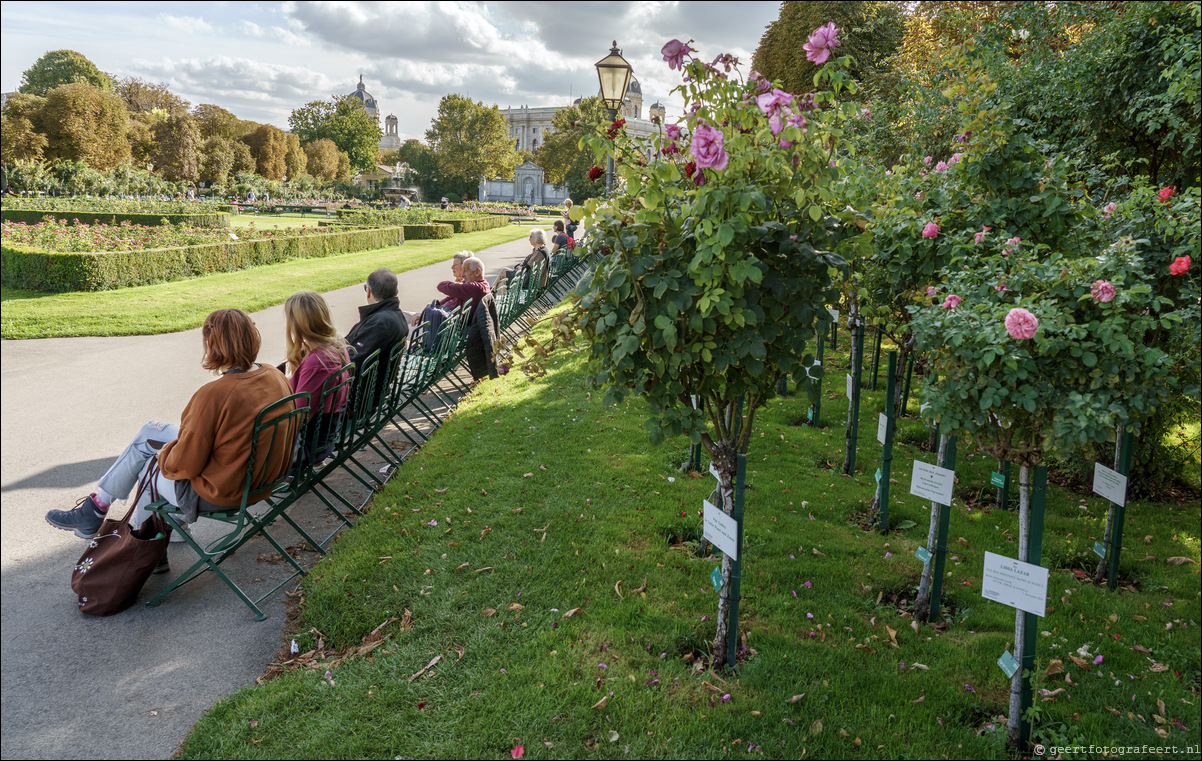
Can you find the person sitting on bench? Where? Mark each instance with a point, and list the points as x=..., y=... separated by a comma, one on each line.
x=202, y=461
x=315, y=353
x=381, y=326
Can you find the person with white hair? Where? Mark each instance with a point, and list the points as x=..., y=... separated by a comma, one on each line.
x=473, y=288
x=538, y=255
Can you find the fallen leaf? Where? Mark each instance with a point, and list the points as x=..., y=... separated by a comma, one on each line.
x=482, y=570
x=573, y=612
x=914, y=625
x=253, y=723
x=458, y=651
x=1080, y=662
x=428, y=666
x=922, y=666
x=892, y=634
x=527, y=475
x=485, y=532
x=641, y=589
x=1141, y=649
x=756, y=713
x=1055, y=666
x=962, y=541
x=600, y=704
x=617, y=588
x=1178, y=560
x=442, y=491
x=516, y=606
x=1113, y=711
x=816, y=552
x=796, y=698
x=919, y=699
x=461, y=566
x=542, y=467
x=488, y=612
x=1158, y=668
x=710, y=687
x=1160, y=705
x=1162, y=732
x=613, y=736
x=816, y=727
x=844, y=733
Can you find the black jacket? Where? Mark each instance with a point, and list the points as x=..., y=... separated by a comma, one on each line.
x=482, y=333
x=381, y=326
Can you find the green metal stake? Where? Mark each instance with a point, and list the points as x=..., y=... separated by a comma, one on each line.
x=732, y=625
x=857, y=362
x=1120, y=517
x=882, y=502
x=876, y=357
x=816, y=407
x=906, y=388
x=1039, y=489
x=834, y=333
x=949, y=462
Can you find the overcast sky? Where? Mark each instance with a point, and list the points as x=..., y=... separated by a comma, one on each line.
x=261, y=60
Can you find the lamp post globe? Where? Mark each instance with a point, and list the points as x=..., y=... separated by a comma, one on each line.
x=614, y=72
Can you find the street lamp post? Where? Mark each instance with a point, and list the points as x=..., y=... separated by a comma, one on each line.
x=614, y=73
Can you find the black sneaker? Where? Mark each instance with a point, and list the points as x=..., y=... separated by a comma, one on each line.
x=84, y=519
x=163, y=566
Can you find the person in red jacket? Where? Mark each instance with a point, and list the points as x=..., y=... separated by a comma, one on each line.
x=472, y=289
x=203, y=459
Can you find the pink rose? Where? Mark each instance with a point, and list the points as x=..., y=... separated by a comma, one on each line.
x=1102, y=291
x=978, y=238
x=818, y=48
x=707, y=148
x=1109, y=209
x=776, y=124
x=674, y=53
x=1001, y=286
x=1179, y=266
x=865, y=114
x=672, y=131
x=927, y=160
x=941, y=166
x=1011, y=244
x=931, y=230
x=932, y=290
x=1021, y=324
x=951, y=302
x=771, y=102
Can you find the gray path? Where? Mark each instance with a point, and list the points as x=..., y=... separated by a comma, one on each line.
x=129, y=686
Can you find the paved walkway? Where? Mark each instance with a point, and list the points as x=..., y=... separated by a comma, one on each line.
x=130, y=686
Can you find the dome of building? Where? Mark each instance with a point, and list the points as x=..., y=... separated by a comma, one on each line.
x=363, y=96
x=635, y=87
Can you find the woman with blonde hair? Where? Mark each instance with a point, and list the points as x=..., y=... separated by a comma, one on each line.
x=315, y=352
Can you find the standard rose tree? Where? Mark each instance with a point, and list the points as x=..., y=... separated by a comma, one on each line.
x=719, y=258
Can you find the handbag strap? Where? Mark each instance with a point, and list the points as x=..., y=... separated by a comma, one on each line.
x=147, y=482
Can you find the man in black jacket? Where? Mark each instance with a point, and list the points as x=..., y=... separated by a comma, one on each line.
x=381, y=326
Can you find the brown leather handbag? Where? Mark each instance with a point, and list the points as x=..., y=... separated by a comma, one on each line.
x=120, y=558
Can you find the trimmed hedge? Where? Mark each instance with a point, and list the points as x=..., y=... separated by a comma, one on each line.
x=474, y=224
x=428, y=232
x=56, y=271
x=34, y=216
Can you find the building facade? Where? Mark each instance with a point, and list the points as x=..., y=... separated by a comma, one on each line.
x=391, y=139
x=527, y=187
x=528, y=127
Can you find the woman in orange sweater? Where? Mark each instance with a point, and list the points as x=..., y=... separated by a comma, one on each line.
x=202, y=461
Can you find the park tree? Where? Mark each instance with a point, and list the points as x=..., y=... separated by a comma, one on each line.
x=870, y=32
x=217, y=160
x=177, y=148
x=85, y=123
x=63, y=67
x=561, y=154
x=294, y=157
x=269, y=146
x=321, y=159
x=141, y=96
x=215, y=121
x=470, y=141
x=20, y=136
x=244, y=158
x=716, y=262
x=422, y=163
x=345, y=121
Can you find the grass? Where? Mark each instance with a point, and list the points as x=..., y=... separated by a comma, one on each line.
x=182, y=305
x=543, y=501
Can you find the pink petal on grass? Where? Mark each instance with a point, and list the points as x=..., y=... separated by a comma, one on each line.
x=1097, y=660
x=808, y=585
x=517, y=751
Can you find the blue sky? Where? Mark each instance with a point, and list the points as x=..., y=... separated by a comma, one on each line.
x=261, y=60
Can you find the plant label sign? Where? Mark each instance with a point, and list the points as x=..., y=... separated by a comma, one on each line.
x=1099, y=549
x=1109, y=484
x=1015, y=583
x=1008, y=664
x=834, y=315
x=722, y=530
x=877, y=475
x=714, y=473
x=932, y=482
x=923, y=554
x=716, y=578
x=882, y=428
x=850, y=387
x=997, y=479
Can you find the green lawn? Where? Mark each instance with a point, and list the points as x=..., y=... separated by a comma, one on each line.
x=181, y=305
x=534, y=500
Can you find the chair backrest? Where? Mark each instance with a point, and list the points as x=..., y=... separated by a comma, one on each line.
x=323, y=428
x=363, y=396
x=273, y=441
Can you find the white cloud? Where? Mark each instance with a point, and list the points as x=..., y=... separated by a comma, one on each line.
x=188, y=24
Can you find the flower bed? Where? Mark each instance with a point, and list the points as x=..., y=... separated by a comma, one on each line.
x=112, y=205
x=60, y=236
x=473, y=224
x=28, y=261
x=212, y=219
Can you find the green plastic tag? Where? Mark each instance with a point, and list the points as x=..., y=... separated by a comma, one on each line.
x=878, y=475
x=1099, y=549
x=716, y=578
x=997, y=479
x=923, y=554
x=1007, y=664
x=810, y=414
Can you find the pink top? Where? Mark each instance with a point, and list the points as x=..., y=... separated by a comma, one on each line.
x=312, y=374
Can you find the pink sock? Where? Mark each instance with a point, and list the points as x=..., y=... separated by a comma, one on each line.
x=102, y=499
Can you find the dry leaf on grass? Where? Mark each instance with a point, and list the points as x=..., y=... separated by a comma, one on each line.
x=816, y=727
x=618, y=588
x=488, y=612
x=919, y=699
x=600, y=704
x=516, y=606
x=892, y=635
x=482, y=570
x=1055, y=666
x=1178, y=560
x=574, y=611
x=641, y=589
x=431, y=664
x=796, y=698
x=442, y=491
x=461, y=566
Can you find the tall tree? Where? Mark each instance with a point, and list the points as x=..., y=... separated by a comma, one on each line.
x=269, y=147
x=322, y=159
x=561, y=155
x=470, y=141
x=177, y=144
x=343, y=120
x=423, y=166
x=244, y=159
x=294, y=157
x=20, y=136
x=141, y=96
x=63, y=67
x=85, y=123
x=870, y=32
x=215, y=121
x=217, y=160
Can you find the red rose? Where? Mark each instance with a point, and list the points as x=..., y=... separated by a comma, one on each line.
x=1179, y=266
x=690, y=168
x=1166, y=193
x=595, y=172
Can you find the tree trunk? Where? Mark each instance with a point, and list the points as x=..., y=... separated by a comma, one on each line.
x=1110, y=514
x=853, y=328
x=724, y=463
x=905, y=346
x=1014, y=722
x=923, y=601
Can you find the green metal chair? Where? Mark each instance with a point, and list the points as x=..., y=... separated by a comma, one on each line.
x=273, y=438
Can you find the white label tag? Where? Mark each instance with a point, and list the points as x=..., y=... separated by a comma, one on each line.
x=932, y=482
x=882, y=428
x=1110, y=484
x=1015, y=583
x=834, y=315
x=722, y=530
x=850, y=387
